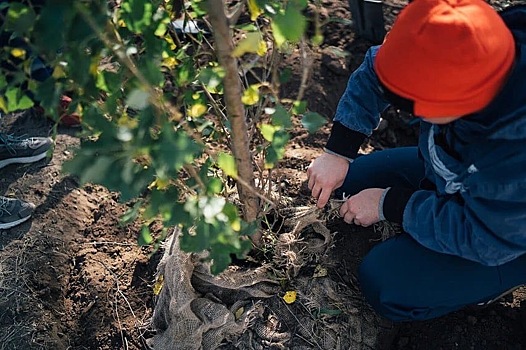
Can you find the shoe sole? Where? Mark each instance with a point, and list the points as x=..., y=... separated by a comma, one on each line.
x=13, y=223
x=22, y=160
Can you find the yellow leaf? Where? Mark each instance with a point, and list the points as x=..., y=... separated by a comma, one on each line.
x=18, y=53
x=160, y=184
x=290, y=296
x=250, y=44
x=158, y=285
x=197, y=110
x=236, y=225
x=268, y=131
x=227, y=163
x=94, y=67
x=170, y=41
x=251, y=95
x=169, y=62
x=262, y=48
x=254, y=9
x=3, y=105
x=125, y=121
x=58, y=72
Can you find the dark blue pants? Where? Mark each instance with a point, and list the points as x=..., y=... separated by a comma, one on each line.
x=405, y=281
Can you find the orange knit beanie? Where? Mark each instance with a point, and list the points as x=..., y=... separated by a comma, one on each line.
x=450, y=57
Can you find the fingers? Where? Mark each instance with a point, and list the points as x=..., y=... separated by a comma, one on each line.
x=350, y=217
x=318, y=192
x=323, y=198
x=310, y=178
x=346, y=214
x=311, y=182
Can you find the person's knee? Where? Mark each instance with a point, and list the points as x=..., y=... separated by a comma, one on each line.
x=374, y=287
x=385, y=286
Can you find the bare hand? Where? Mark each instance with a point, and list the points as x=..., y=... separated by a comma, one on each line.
x=326, y=173
x=362, y=208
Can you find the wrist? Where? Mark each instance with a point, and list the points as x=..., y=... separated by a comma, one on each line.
x=328, y=151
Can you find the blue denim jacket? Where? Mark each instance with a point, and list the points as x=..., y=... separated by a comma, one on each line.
x=478, y=210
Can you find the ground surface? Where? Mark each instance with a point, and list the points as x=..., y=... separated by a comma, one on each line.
x=72, y=278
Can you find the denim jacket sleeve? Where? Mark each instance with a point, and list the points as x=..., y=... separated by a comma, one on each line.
x=488, y=230
x=358, y=112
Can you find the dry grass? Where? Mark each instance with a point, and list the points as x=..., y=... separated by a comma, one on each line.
x=16, y=296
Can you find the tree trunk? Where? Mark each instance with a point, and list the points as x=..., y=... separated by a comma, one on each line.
x=236, y=112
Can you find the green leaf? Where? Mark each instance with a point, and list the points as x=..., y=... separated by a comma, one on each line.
x=16, y=100
x=48, y=93
x=19, y=18
x=49, y=26
x=252, y=43
x=81, y=30
x=214, y=186
x=312, y=121
x=102, y=162
x=331, y=312
x=285, y=75
x=137, y=14
x=268, y=131
x=299, y=107
x=212, y=79
x=317, y=39
x=173, y=149
x=276, y=150
x=200, y=240
x=185, y=73
x=25, y=102
x=299, y=4
x=3, y=82
x=288, y=26
x=131, y=214
x=149, y=67
x=281, y=117
x=227, y=163
x=80, y=70
x=199, y=7
x=221, y=261
x=145, y=236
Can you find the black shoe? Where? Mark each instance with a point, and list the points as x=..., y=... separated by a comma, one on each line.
x=15, y=150
x=14, y=212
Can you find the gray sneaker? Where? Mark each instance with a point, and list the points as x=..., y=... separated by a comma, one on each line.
x=14, y=212
x=15, y=149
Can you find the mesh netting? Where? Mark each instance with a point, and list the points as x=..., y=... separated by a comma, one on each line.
x=244, y=308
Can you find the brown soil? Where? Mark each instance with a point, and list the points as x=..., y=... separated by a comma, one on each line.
x=73, y=278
